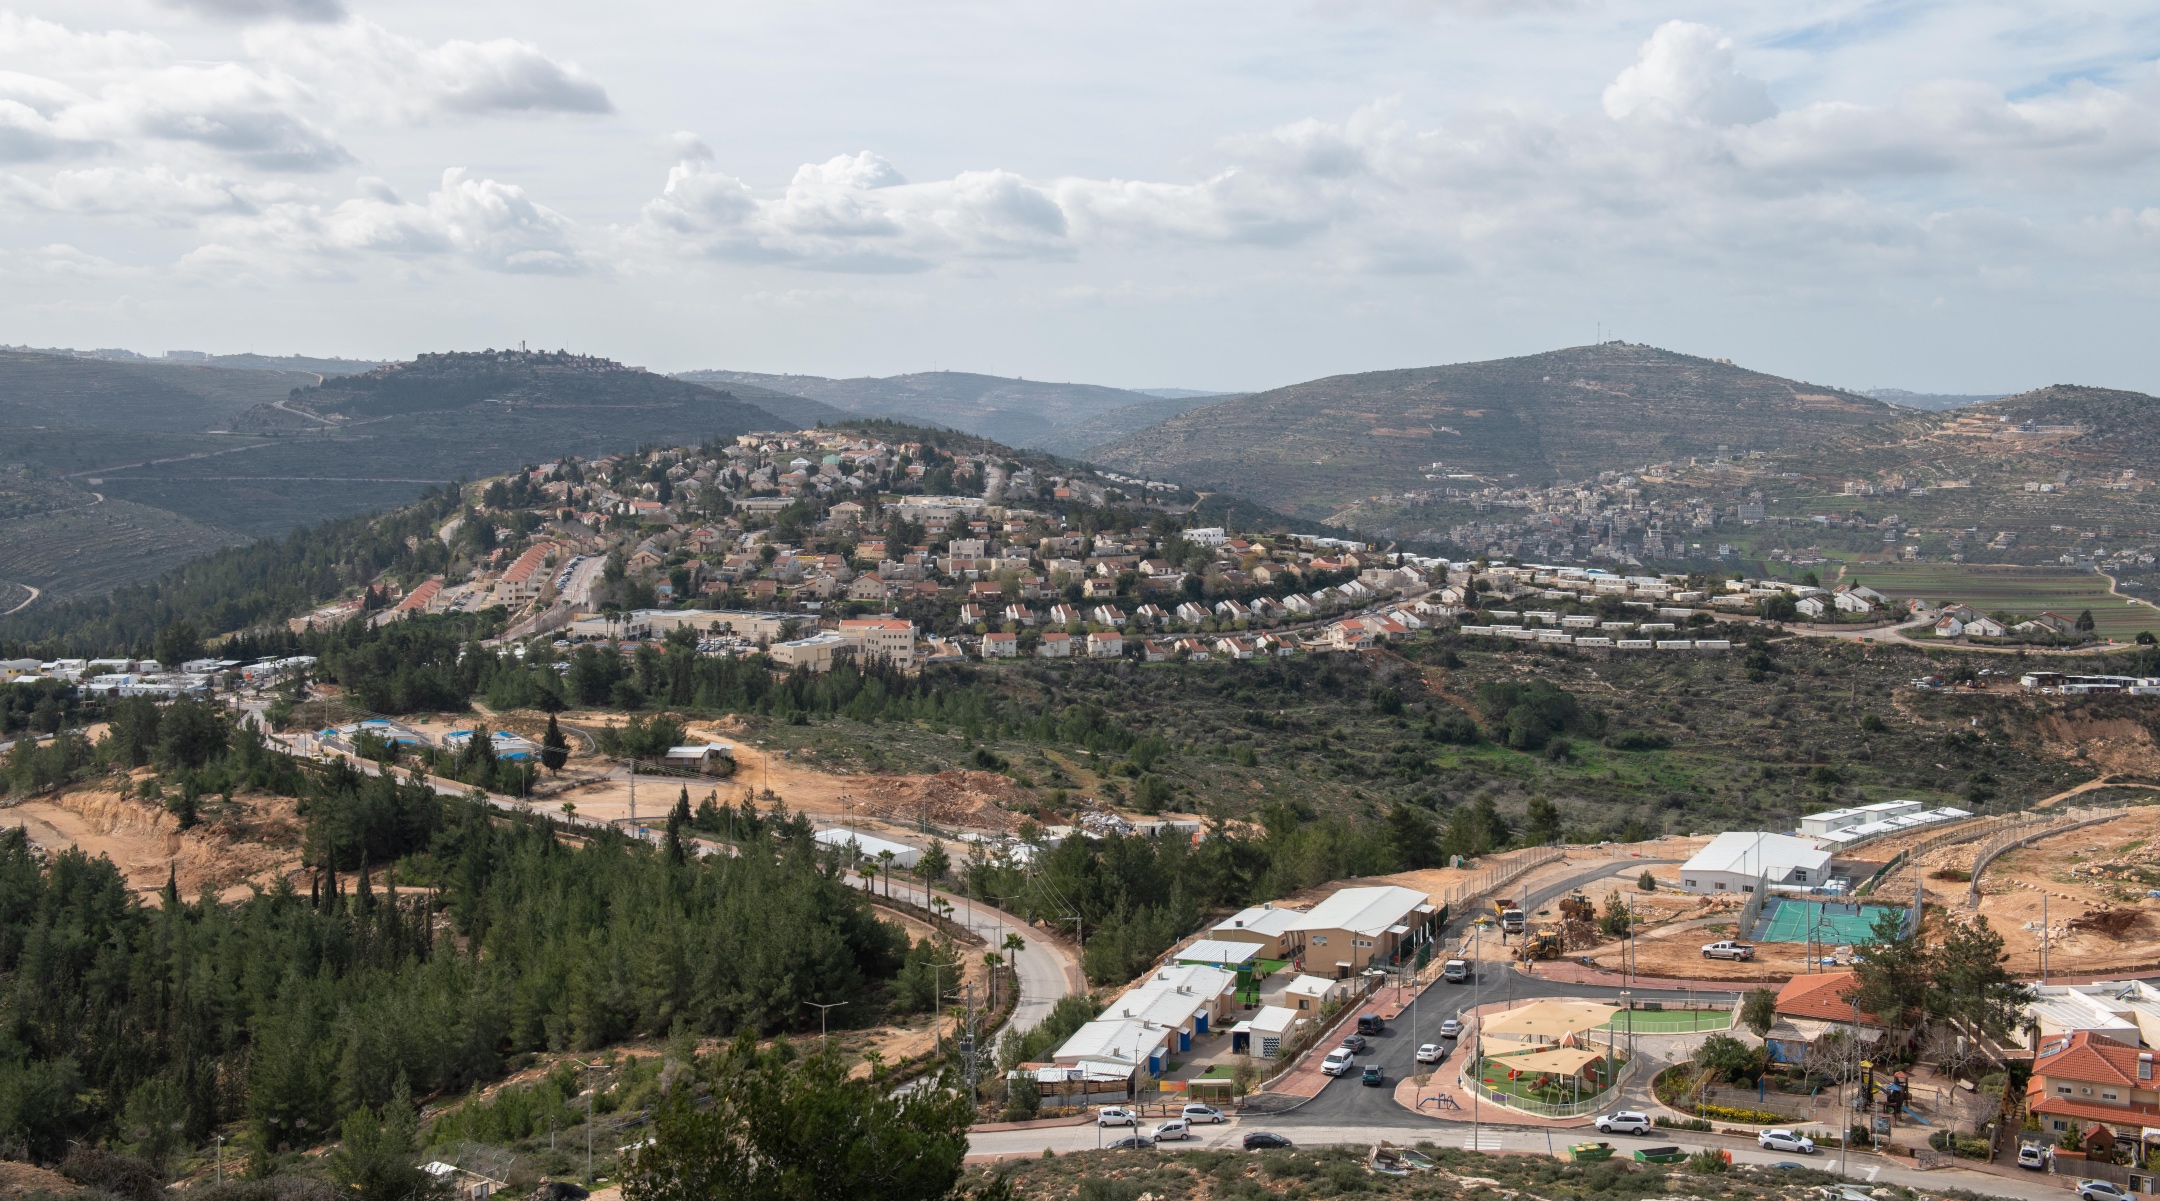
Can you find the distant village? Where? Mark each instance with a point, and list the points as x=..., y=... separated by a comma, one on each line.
x=811, y=545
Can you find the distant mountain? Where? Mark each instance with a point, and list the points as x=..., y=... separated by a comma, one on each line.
x=293, y=362
x=1932, y=402
x=1182, y=393
x=1079, y=441
x=1017, y=412
x=58, y=391
x=1310, y=448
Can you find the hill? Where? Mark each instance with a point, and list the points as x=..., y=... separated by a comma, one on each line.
x=1315, y=446
x=1017, y=412
x=1079, y=440
x=293, y=362
x=54, y=391
x=1931, y=402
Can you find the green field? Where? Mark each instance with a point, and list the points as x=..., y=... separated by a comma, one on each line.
x=1670, y=1021
x=2023, y=591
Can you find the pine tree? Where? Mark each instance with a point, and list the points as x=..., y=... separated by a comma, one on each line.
x=554, y=748
x=678, y=821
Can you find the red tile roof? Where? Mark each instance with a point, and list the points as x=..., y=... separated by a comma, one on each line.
x=2094, y=1058
x=2091, y=1111
x=1822, y=996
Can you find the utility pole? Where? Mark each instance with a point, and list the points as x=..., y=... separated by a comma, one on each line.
x=967, y=1046
x=821, y=1011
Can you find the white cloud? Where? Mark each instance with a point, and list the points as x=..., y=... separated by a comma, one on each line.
x=54, y=48
x=1686, y=72
x=481, y=223
x=249, y=115
x=154, y=194
x=374, y=73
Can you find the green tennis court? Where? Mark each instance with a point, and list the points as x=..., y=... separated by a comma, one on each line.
x=1669, y=1021
x=1833, y=923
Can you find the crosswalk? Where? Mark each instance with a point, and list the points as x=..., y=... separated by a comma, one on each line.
x=1482, y=1140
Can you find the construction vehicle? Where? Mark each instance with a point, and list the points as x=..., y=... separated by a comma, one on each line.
x=1540, y=944
x=1575, y=907
x=1511, y=916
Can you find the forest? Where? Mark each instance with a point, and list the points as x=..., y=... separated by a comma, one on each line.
x=434, y=941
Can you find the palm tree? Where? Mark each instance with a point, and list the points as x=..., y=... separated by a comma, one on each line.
x=993, y=961
x=885, y=858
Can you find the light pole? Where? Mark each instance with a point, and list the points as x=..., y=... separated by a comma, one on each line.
x=589, y=1093
x=821, y=1013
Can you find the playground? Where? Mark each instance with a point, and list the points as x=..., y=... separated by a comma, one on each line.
x=1670, y=1021
x=1827, y=923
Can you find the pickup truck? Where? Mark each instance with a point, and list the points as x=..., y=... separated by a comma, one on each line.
x=1727, y=949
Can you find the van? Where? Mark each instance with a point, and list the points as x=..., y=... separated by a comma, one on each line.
x=1370, y=1023
x=1339, y=1061
x=1456, y=971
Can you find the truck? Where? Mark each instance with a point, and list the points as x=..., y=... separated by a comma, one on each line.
x=1456, y=972
x=1728, y=949
x=1511, y=916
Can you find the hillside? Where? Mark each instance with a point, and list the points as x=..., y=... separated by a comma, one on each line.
x=191, y=457
x=1315, y=446
x=1930, y=402
x=1017, y=412
x=1079, y=441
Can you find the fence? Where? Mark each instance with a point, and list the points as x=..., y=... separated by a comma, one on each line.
x=1501, y=875
x=2029, y=829
x=1979, y=827
x=1472, y=1076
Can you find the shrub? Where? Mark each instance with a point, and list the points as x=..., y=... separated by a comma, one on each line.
x=1638, y=740
x=1682, y=1123
x=1750, y=1117
x=1708, y=1160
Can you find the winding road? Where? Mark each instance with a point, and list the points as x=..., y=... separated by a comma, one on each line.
x=1047, y=970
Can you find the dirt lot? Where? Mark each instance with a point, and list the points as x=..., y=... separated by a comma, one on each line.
x=2092, y=883
x=253, y=842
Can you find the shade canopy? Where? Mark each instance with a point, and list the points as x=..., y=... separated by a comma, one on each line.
x=1560, y=1061
x=1547, y=1021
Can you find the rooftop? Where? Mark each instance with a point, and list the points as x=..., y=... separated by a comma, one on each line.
x=1368, y=911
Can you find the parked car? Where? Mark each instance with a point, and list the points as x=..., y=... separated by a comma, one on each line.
x=2100, y=1190
x=1786, y=1140
x=1456, y=971
x=1355, y=1042
x=1173, y=1131
x=1371, y=1023
x=1117, y=1115
x=1625, y=1121
x=2033, y=1156
x=1195, y=1113
x=1373, y=1077
x=1339, y=1061
x=1451, y=1029
x=1131, y=1142
x=1261, y=1140
x=1430, y=1053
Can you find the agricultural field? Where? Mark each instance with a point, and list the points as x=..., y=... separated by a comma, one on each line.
x=2022, y=591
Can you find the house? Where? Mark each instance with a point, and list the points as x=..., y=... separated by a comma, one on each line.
x=1811, y=607
x=1264, y=1033
x=1309, y=994
x=1735, y=860
x=869, y=588
x=1098, y=589
x=1055, y=645
x=1299, y=605
x=1155, y=1019
x=1000, y=646
x=1985, y=627
x=1353, y=635
x=2056, y=623
x=847, y=512
x=1195, y=650
x=1949, y=627
x=1358, y=927
x=1191, y=612
x=711, y=759
x=1106, y=645
x=1153, y=651
x=1273, y=930
x=1811, y=1005
x=1107, y=615
x=1855, y=600
x=1152, y=614
x=1233, y=648
x=1020, y=615
x=2088, y=1077
x=1064, y=615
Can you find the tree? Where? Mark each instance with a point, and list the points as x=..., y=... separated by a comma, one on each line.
x=1615, y=921
x=554, y=748
x=776, y=1129
x=1646, y=882
x=678, y=823
x=2085, y=622
x=177, y=643
x=1968, y=984
x=1891, y=973
x=1413, y=837
x=935, y=864
x=1542, y=821
x=1726, y=1057
x=374, y=1157
x=191, y=734
x=1758, y=1012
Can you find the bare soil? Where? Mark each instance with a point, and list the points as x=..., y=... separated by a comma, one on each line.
x=250, y=843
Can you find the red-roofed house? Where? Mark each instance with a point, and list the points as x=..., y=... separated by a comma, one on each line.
x=2085, y=1077
x=1810, y=1006
x=419, y=597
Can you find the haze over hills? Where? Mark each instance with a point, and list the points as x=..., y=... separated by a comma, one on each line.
x=1018, y=412
x=1933, y=402
x=1310, y=448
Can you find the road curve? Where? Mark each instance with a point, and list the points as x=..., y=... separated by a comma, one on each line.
x=1047, y=970
x=34, y=594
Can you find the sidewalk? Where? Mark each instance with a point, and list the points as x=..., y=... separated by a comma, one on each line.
x=1565, y=971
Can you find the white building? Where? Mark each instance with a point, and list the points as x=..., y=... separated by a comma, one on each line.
x=885, y=637
x=904, y=856
x=1156, y=1018
x=1830, y=821
x=1736, y=859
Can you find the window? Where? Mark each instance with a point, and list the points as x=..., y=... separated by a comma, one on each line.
x=1361, y=942
x=2107, y=1094
x=1319, y=940
x=1721, y=886
x=2064, y=1089
x=1689, y=883
x=1747, y=888
x=1800, y=874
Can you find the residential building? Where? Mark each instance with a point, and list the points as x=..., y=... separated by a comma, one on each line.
x=1055, y=645
x=888, y=637
x=2088, y=1077
x=1156, y=1018
x=1273, y=930
x=1358, y=927
x=1106, y=645
x=1000, y=646
x=1309, y=994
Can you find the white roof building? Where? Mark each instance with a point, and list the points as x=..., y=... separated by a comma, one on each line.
x=869, y=844
x=1217, y=952
x=1736, y=859
x=1155, y=1018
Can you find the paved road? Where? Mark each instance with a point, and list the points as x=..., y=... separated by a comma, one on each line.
x=1404, y=1127
x=1046, y=969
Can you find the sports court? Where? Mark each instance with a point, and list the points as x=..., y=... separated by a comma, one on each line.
x=1670, y=1021
x=1833, y=923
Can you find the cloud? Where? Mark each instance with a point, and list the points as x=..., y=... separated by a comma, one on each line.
x=249, y=115
x=258, y=10
x=56, y=48
x=373, y=73
x=154, y=194
x=1686, y=73
x=477, y=222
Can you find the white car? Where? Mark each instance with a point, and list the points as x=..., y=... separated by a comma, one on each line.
x=1785, y=1140
x=1451, y=1029
x=1174, y=1130
x=1625, y=1121
x=1117, y=1115
x=1430, y=1053
x=1196, y=1114
x=1339, y=1062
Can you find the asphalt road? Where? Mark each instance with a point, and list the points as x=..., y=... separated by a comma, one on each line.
x=1047, y=970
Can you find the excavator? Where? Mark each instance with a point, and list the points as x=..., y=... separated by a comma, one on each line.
x=1575, y=907
x=1539, y=944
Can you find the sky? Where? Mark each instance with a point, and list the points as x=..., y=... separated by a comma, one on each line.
x=1933, y=195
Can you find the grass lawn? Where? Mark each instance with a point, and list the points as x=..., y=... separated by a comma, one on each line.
x=1559, y=1091
x=2020, y=590
x=1220, y=1071
x=1670, y=1021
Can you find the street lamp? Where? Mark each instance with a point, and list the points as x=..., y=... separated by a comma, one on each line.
x=821, y=1014
x=589, y=1093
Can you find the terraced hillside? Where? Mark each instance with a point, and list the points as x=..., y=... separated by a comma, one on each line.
x=1311, y=447
x=80, y=543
